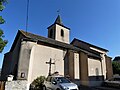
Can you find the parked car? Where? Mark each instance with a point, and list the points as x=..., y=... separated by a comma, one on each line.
x=113, y=82
x=59, y=83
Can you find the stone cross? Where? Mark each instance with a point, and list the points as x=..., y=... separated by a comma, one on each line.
x=50, y=63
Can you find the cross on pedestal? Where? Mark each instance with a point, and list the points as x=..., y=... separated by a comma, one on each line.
x=50, y=63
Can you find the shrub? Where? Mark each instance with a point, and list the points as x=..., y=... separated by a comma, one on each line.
x=116, y=67
x=38, y=83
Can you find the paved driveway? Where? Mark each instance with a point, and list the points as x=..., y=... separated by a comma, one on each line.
x=107, y=88
x=97, y=88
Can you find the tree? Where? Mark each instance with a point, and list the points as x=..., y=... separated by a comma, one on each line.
x=2, y=21
x=38, y=83
x=116, y=67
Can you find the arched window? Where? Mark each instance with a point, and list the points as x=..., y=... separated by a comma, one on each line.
x=62, y=33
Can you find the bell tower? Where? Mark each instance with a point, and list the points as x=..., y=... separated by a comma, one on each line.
x=58, y=31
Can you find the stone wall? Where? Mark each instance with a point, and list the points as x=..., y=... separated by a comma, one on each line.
x=16, y=85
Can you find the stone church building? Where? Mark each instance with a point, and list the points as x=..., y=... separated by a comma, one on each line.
x=86, y=64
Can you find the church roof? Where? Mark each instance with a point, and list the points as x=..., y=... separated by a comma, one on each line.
x=49, y=42
x=83, y=44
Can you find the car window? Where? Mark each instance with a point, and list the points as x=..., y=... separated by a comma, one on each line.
x=52, y=79
x=112, y=79
x=116, y=79
x=62, y=80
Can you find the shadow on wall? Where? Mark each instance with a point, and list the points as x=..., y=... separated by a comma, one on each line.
x=96, y=80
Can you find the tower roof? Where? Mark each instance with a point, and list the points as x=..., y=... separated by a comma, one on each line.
x=58, y=20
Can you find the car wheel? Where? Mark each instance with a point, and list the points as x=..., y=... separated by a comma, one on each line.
x=57, y=89
x=44, y=87
x=106, y=84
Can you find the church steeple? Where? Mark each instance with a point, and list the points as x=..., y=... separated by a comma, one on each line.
x=58, y=31
x=58, y=20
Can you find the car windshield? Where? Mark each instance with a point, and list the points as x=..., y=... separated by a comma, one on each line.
x=116, y=79
x=62, y=80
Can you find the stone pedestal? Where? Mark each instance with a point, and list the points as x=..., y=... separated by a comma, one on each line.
x=16, y=85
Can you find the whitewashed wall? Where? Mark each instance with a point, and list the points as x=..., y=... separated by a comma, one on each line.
x=94, y=72
x=103, y=53
x=39, y=56
x=94, y=64
x=58, y=34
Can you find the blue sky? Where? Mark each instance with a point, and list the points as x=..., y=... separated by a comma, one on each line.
x=94, y=21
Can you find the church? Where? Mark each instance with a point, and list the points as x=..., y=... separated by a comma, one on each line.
x=32, y=55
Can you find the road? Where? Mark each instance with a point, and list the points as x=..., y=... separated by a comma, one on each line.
x=97, y=88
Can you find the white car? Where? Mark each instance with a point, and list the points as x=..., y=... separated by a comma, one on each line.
x=59, y=83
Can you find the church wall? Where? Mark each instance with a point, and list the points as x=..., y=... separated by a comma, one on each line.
x=41, y=54
x=76, y=69
x=6, y=66
x=103, y=53
x=94, y=67
x=71, y=64
x=11, y=60
x=66, y=65
x=76, y=66
x=51, y=32
x=15, y=56
x=104, y=65
x=95, y=72
x=83, y=57
x=109, y=67
x=58, y=34
x=98, y=50
x=24, y=57
x=81, y=44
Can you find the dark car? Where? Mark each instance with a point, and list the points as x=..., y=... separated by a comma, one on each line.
x=113, y=82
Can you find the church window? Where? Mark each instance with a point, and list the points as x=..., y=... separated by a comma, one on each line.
x=51, y=33
x=22, y=75
x=62, y=33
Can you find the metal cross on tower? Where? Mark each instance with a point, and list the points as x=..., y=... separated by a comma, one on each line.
x=58, y=11
x=50, y=63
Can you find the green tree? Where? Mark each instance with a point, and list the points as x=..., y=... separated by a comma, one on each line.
x=2, y=21
x=38, y=83
x=116, y=67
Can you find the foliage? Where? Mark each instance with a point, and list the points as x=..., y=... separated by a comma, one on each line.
x=2, y=21
x=38, y=82
x=116, y=67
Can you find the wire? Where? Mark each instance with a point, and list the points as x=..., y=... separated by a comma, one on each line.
x=27, y=15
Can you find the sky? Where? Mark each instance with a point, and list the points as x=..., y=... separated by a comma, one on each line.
x=94, y=21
